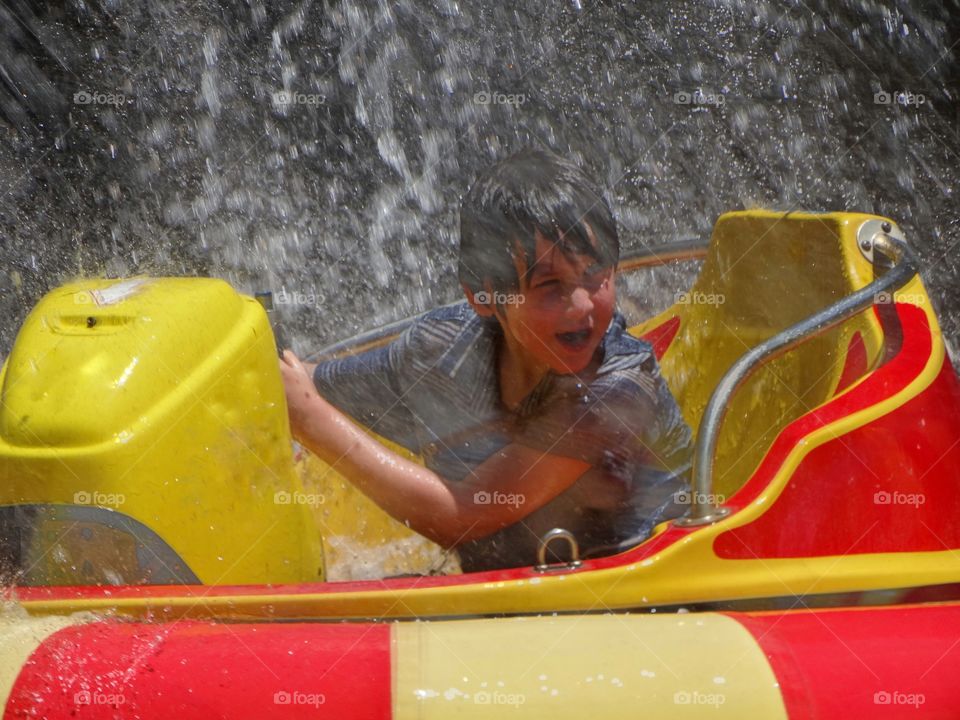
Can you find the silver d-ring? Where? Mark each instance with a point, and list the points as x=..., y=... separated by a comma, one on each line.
x=558, y=533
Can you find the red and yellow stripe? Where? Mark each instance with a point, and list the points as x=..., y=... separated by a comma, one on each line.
x=863, y=663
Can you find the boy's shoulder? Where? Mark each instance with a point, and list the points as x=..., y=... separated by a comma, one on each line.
x=629, y=371
x=456, y=313
x=442, y=339
x=622, y=351
x=443, y=324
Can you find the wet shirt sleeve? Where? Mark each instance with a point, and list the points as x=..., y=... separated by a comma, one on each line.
x=368, y=387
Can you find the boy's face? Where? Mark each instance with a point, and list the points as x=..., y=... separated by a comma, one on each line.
x=562, y=312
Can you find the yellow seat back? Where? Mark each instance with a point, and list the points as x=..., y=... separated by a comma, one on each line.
x=764, y=272
x=143, y=432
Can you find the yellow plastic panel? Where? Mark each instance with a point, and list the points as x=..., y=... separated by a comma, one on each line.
x=160, y=399
x=610, y=666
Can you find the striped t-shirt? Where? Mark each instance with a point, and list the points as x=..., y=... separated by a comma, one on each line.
x=434, y=390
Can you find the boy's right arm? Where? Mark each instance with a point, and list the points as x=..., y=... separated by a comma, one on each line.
x=447, y=513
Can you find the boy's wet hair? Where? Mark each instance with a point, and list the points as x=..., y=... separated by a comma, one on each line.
x=533, y=190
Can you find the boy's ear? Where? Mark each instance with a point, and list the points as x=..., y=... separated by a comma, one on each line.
x=481, y=302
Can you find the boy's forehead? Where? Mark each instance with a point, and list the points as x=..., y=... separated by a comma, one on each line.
x=549, y=256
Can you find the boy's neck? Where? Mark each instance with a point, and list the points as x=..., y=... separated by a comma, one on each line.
x=516, y=379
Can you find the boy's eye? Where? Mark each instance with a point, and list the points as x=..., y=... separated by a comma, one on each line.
x=597, y=280
x=546, y=283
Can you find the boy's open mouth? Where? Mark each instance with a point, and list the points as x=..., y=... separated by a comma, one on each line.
x=575, y=340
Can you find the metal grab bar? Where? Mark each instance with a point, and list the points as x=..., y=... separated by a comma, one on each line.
x=703, y=510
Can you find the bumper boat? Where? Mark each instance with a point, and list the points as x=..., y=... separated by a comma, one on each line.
x=166, y=556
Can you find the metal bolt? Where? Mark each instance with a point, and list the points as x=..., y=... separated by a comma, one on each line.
x=886, y=227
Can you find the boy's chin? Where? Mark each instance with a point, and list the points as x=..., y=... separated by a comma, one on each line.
x=573, y=365
x=571, y=369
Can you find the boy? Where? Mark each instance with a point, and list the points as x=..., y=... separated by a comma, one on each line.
x=532, y=406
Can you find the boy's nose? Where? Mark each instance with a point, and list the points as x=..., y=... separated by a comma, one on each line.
x=580, y=302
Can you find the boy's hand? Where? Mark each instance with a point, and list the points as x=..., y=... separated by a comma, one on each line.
x=300, y=391
x=315, y=423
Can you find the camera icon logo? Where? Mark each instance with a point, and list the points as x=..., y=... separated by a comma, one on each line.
x=282, y=497
x=482, y=497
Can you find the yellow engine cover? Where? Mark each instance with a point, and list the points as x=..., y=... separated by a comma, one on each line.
x=150, y=412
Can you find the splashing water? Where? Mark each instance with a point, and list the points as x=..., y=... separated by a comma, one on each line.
x=321, y=149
